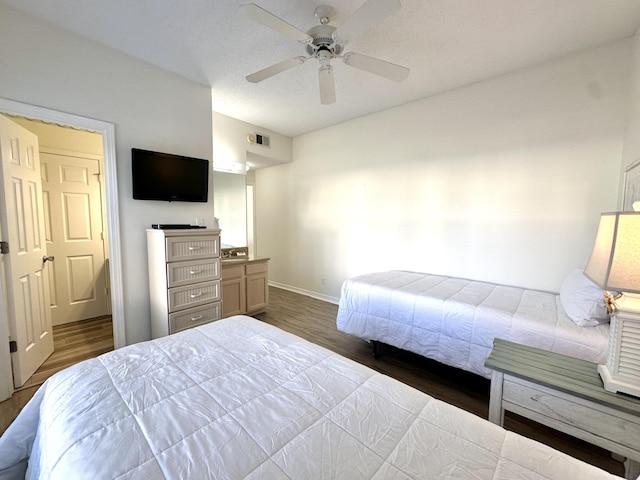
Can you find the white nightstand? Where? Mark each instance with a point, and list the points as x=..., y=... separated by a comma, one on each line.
x=566, y=394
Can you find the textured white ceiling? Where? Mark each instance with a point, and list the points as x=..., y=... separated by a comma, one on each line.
x=445, y=43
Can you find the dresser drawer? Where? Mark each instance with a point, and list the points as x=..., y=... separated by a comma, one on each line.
x=578, y=414
x=258, y=267
x=236, y=271
x=192, y=247
x=192, y=295
x=184, y=273
x=193, y=317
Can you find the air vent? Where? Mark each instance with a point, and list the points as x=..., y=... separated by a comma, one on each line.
x=259, y=139
x=262, y=140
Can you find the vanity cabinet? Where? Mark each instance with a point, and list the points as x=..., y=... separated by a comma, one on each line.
x=184, y=279
x=245, y=286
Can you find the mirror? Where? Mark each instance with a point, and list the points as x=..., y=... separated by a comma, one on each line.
x=230, y=205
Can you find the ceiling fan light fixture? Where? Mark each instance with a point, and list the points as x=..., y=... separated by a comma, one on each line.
x=327, y=85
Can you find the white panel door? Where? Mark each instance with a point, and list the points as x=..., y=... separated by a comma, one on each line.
x=25, y=266
x=73, y=222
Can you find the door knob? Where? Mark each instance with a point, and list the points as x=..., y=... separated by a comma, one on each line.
x=45, y=259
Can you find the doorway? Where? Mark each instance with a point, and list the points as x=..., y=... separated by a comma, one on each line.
x=107, y=130
x=75, y=223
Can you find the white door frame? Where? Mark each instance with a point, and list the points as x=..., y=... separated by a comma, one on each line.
x=113, y=223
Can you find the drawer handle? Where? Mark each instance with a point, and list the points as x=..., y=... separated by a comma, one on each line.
x=193, y=272
x=192, y=248
x=195, y=319
x=196, y=295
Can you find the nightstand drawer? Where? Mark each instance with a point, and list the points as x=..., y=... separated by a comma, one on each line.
x=184, y=273
x=194, y=317
x=192, y=295
x=192, y=247
x=564, y=393
x=576, y=414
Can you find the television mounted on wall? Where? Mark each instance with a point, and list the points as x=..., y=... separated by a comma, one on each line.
x=169, y=177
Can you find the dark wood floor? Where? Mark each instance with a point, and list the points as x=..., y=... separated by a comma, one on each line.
x=314, y=320
x=74, y=342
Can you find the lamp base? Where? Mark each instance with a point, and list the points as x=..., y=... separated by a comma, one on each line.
x=621, y=372
x=615, y=385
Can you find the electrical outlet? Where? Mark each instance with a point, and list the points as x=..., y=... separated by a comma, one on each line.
x=322, y=280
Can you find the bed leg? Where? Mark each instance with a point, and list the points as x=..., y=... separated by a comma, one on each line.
x=374, y=345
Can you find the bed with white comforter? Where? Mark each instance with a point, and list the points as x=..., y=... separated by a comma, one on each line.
x=237, y=399
x=454, y=320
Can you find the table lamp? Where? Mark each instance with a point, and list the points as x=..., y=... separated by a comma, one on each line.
x=615, y=267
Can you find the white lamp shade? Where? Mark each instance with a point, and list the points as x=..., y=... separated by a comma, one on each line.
x=615, y=260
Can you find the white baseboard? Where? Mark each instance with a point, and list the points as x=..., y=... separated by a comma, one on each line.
x=308, y=293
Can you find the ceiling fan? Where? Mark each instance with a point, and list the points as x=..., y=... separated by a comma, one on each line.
x=325, y=42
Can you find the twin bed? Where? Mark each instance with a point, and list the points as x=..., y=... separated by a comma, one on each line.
x=239, y=398
x=455, y=321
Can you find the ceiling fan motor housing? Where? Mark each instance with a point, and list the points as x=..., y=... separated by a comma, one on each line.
x=323, y=40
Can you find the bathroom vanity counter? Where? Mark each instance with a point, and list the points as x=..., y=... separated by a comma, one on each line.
x=245, y=285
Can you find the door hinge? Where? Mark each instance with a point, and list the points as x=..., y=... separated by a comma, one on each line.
x=4, y=247
x=13, y=346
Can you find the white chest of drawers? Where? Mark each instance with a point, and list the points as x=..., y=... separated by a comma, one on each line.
x=184, y=279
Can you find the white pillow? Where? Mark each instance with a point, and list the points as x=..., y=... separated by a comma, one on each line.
x=583, y=300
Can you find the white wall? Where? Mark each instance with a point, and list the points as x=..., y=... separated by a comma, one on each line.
x=231, y=148
x=151, y=109
x=631, y=153
x=502, y=180
x=231, y=153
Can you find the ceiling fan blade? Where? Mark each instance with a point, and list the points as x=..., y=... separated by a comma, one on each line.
x=389, y=70
x=327, y=85
x=275, y=69
x=260, y=15
x=370, y=12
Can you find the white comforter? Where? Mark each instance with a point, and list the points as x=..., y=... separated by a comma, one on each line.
x=239, y=399
x=454, y=321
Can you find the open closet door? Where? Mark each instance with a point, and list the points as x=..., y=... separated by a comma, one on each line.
x=27, y=282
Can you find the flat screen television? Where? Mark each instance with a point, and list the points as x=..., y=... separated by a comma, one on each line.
x=168, y=177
